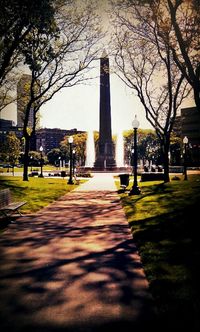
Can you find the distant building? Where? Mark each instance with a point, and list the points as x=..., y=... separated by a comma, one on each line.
x=187, y=124
x=50, y=138
x=190, y=127
x=7, y=126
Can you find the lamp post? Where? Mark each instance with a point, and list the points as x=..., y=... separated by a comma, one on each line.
x=135, y=189
x=73, y=163
x=31, y=157
x=70, y=140
x=185, y=142
x=41, y=161
x=132, y=156
x=59, y=162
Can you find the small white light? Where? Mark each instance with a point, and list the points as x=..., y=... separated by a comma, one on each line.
x=70, y=139
x=135, y=123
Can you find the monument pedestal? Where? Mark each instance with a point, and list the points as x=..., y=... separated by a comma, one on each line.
x=105, y=159
x=103, y=163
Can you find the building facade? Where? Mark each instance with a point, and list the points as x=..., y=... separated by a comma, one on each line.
x=7, y=126
x=190, y=127
x=188, y=124
x=50, y=138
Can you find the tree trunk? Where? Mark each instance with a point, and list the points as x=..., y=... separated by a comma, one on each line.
x=196, y=89
x=166, y=167
x=26, y=158
x=27, y=140
x=165, y=152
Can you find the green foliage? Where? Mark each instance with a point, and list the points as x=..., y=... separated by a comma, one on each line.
x=10, y=149
x=148, y=145
x=34, y=158
x=53, y=156
x=17, y=20
x=79, y=146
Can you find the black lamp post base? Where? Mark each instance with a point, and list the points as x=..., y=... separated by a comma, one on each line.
x=185, y=173
x=70, y=182
x=40, y=176
x=135, y=190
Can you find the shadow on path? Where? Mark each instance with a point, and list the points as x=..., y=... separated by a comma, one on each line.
x=73, y=267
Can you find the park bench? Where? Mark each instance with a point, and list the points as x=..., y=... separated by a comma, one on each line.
x=7, y=205
x=152, y=176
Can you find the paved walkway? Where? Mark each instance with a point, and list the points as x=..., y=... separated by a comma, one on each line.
x=99, y=182
x=74, y=267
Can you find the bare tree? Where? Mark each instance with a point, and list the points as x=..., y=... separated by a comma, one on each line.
x=145, y=63
x=178, y=22
x=59, y=61
x=184, y=41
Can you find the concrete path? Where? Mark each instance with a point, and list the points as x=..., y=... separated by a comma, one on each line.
x=74, y=267
x=99, y=182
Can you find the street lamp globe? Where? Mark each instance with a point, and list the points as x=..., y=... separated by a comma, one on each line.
x=41, y=161
x=135, y=123
x=73, y=161
x=70, y=139
x=185, y=142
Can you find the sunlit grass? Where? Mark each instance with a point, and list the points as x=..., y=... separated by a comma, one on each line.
x=31, y=168
x=38, y=192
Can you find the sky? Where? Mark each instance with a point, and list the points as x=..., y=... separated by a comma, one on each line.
x=78, y=107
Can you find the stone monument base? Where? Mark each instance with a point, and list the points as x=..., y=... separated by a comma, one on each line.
x=104, y=163
x=105, y=170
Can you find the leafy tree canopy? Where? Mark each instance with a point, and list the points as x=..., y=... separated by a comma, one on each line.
x=17, y=19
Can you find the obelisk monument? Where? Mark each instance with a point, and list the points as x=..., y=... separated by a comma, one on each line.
x=105, y=155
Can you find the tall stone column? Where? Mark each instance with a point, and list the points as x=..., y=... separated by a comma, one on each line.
x=105, y=157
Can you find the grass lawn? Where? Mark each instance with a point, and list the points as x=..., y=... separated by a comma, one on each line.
x=38, y=192
x=33, y=168
x=164, y=221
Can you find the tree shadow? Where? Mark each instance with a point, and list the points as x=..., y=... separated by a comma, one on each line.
x=169, y=247
x=73, y=267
